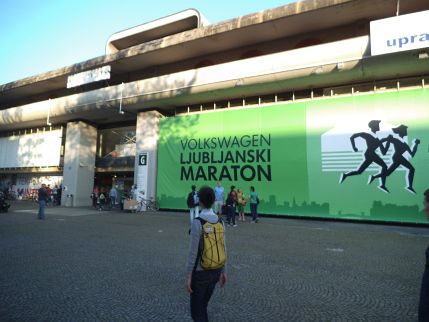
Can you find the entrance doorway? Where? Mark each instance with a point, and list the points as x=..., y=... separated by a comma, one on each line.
x=123, y=181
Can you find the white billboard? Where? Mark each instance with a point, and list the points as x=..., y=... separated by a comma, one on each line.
x=39, y=149
x=400, y=33
x=89, y=76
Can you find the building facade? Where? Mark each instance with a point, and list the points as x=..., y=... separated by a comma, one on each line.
x=321, y=105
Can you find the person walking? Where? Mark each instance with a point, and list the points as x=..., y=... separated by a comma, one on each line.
x=192, y=202
x=54, y=196
x=59, y=193
x=113, y=195
x=206, y=264
x=101, y=200
x=49, y=192
x=134, y=192
x=231, y=203
x=94, y=197
x=423, y=312
x=42, y=197
x=254, y=201
x=219, y=198
x=241, y=202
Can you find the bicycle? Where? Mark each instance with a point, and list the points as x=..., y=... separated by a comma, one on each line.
x=150, y=204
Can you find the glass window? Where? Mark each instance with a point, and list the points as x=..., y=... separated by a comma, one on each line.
x=117, y=142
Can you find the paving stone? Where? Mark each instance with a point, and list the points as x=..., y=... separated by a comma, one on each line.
x=83, y=265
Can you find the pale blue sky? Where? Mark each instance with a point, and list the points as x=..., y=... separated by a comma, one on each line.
x=37, y=36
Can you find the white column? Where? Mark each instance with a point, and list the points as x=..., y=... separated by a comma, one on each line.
x=79, y=163
x=147, y=135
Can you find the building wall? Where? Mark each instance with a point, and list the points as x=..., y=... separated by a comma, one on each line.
x=295, y=154
x=38, y=149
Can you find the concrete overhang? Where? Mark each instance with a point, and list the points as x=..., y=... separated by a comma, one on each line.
x=160, y=28
x=303, y=68
x=293, y=19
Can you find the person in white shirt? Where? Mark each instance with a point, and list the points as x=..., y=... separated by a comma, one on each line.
x=113, y=196
x=134, y=192
x=219, y=197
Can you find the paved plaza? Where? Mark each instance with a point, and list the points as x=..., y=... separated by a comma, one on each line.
x=84, y=265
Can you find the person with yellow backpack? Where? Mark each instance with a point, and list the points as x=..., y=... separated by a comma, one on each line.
x=206, y=263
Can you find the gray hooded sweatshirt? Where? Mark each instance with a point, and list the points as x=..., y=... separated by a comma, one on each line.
x=196, y=231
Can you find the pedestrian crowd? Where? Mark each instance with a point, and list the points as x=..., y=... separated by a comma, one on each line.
x=107, y=199
x=231, y=204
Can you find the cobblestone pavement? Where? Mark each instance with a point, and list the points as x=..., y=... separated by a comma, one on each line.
x=83, y=265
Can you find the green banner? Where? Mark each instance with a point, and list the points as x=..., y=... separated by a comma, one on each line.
x=359, y=157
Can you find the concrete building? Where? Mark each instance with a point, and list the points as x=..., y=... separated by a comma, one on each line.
x=97, y=122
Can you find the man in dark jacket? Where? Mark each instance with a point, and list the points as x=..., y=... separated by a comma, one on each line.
x=231, y=203
x=193, y=202
x=42, y=198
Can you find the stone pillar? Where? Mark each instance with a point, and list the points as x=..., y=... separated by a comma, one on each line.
x=147, y=134
x=79, y=163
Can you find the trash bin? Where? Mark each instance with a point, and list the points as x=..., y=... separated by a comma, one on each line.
x=69, y=200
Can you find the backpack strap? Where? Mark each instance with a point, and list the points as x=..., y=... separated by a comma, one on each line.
x=200, y=243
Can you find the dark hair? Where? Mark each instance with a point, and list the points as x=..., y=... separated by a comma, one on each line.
x=206, y=196
x=252, y=188
x=193, y=187
x=232, y=188
x=426, y=194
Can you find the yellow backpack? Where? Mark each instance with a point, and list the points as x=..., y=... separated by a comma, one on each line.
x=212, y=245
